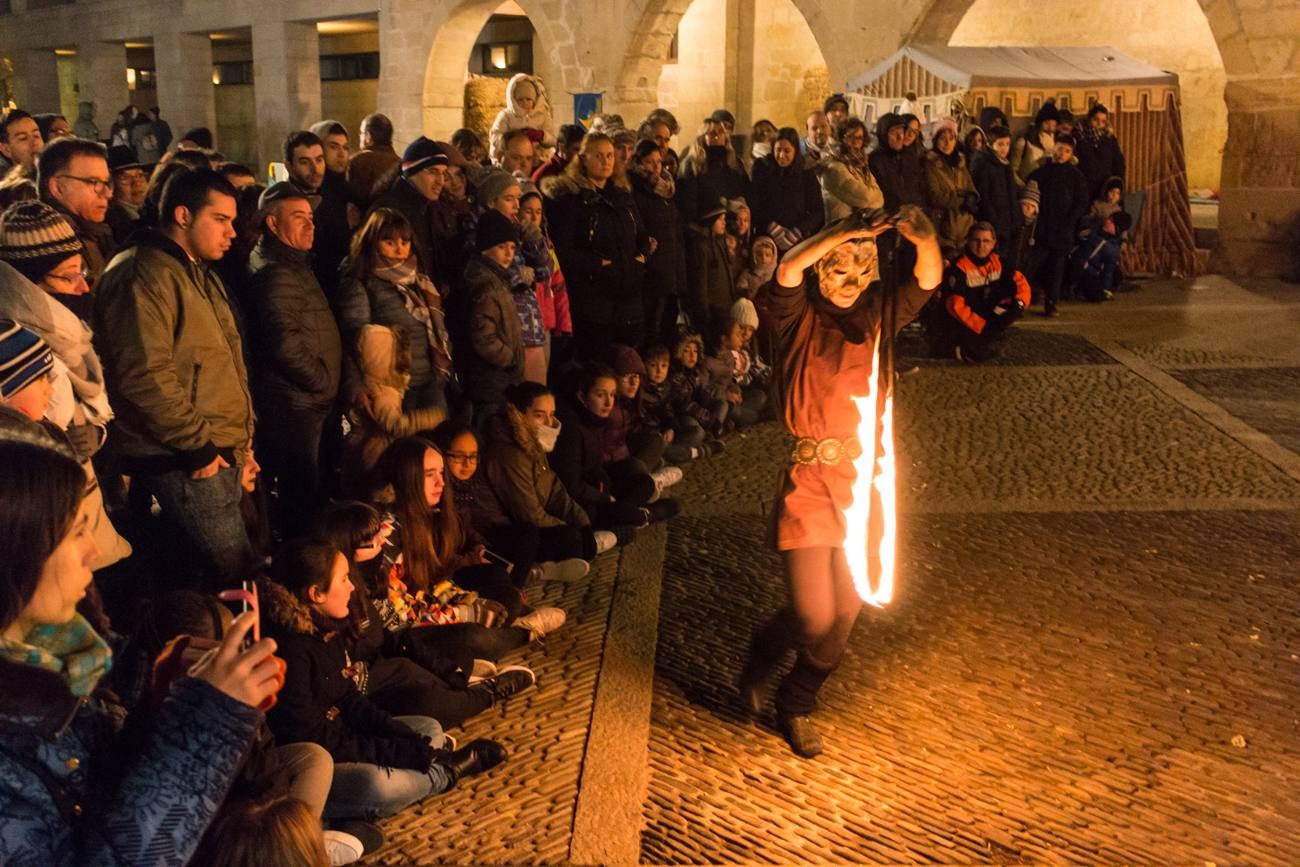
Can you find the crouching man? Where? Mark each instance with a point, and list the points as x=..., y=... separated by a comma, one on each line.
x=979, y=301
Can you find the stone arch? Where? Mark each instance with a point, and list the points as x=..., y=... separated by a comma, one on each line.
x=1260, y=186
x=443, y=94
x=636, y=87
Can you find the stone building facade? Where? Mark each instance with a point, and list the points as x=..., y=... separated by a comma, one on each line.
x=621, y=49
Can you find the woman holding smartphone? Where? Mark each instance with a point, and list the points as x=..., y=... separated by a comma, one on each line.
x=156, y=784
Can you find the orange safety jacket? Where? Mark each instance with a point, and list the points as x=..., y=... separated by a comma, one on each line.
x=970, y=286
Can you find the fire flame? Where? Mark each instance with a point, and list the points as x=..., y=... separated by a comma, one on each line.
x=871, y=519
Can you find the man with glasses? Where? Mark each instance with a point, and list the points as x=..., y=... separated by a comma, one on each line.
x=72, y=176
x=130, y=183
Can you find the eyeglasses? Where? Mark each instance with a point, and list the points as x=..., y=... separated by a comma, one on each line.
x=72, y=280
x=100, y=186
x=463, y=457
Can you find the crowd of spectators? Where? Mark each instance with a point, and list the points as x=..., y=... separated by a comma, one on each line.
x=375, y=403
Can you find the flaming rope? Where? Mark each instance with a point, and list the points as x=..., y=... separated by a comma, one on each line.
x=871, y=519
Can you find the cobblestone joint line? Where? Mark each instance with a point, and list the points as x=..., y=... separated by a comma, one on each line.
x=1259, y=443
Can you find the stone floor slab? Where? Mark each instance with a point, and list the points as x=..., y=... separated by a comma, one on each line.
x=1044, y=688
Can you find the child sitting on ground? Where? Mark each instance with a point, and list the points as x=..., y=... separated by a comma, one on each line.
x=625, y=438
x=617, y=495
x=731, y=377
x=684, y=436
x=1096, y=263
x=688, y=394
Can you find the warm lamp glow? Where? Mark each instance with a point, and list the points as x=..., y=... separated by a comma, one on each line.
x=499, y=56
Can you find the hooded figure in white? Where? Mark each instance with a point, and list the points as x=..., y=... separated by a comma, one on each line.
x=527, y=107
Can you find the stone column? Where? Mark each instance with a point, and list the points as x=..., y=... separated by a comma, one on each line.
x=1259, y=206
x=183, y=62
x=286, y=82
x=36, y=80
x=738, y=84
x=403, y=55
x=101, y=77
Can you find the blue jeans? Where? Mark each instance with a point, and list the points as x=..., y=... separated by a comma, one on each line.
x=209, y=526
x=371, y=791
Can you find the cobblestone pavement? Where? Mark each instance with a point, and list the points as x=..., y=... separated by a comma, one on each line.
x=1266, y=398
x=1092, y=656
x=1075, y=681
x=522, y=812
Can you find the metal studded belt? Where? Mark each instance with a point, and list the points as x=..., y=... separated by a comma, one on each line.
x=830, y=451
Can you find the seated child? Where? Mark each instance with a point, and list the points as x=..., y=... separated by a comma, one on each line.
x=731, y=370
x=527, y=108
x=400, y=675
x=1096, y=259
x=528, y=516
x=616, y=495
x=689, y=395
x=684, y=438
x=382, y=764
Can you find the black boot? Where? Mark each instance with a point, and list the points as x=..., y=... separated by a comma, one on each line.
x=802, y=736
x=475, y=758
x=796, y=699
x=766, y=649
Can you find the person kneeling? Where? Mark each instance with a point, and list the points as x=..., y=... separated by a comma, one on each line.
x=382, y=763
x=980, y=300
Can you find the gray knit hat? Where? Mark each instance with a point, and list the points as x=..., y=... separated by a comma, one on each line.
x=1030, y=193
x=493, y=184
x=34, y=238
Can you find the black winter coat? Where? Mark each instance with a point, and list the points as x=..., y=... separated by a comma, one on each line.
x=332, y=233
x=1100, y=159
x=789, y=197
x=665, y=269
x=577, y=458
x=901, y=176
x=700, y=193
x=999, y=196
x=710, y=285
x=491, y=351
x=294, y=340
x=319, y=702
x=589, y=226
x=1064, y=199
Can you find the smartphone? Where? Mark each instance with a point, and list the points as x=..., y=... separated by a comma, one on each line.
x=242, y=601
x=497, y=559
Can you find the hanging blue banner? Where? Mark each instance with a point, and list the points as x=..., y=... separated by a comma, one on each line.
x=585, y=107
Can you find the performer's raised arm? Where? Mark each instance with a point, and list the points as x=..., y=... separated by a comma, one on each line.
x=912, y=224
x=916, y=229
x=810, y=251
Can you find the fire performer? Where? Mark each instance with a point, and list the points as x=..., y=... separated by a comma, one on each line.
x=828, y=310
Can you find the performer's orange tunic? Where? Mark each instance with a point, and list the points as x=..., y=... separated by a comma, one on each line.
x=824, y=360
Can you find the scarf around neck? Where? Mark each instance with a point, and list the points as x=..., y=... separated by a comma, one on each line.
x=414, y=289
x=73, y=650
